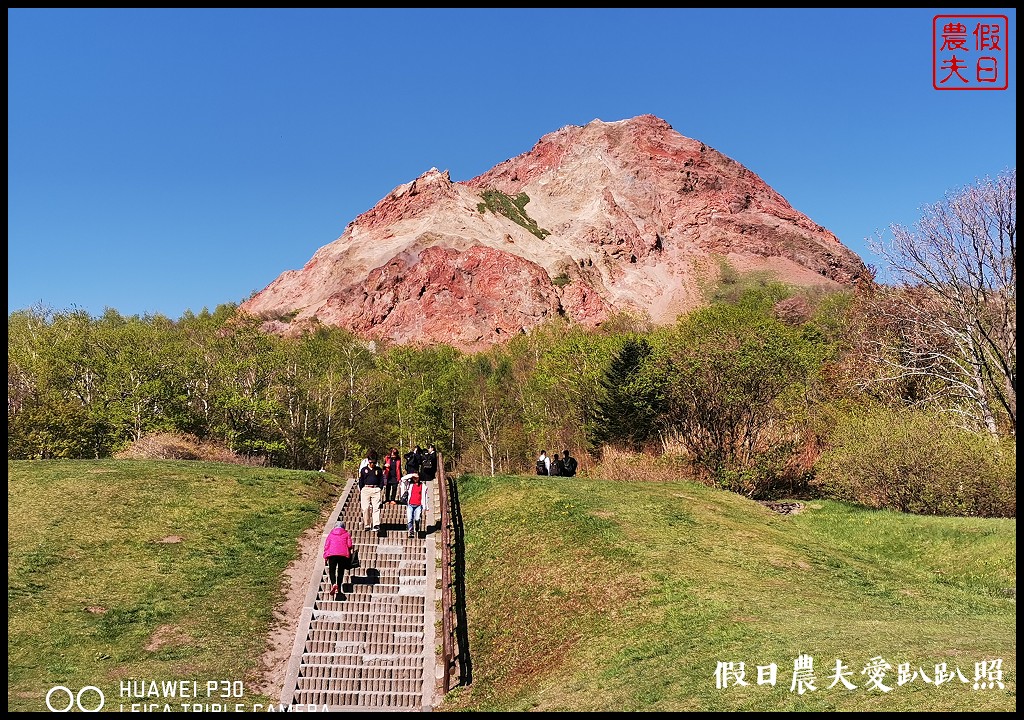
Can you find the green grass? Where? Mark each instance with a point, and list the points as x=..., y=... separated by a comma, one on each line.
x=583, y=594
x=99, y=591
x=561, y=280
x=589, y=595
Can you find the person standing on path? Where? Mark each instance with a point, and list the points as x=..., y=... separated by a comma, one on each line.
x=371, y=487
x=419, y=503
x=428, y=465
x=337, y=553
x=392, y=474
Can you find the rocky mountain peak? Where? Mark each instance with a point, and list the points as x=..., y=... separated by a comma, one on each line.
x=609, y=216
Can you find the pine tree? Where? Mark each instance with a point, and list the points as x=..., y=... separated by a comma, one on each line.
x=628, y=405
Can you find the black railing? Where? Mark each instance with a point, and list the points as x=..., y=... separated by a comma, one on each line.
x=455, y=642
x=447, y=591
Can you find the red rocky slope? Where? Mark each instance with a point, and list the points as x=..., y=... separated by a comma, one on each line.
x=626, y=215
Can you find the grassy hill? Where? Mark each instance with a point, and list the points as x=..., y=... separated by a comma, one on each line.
x=146, y=570
x=588, y=595
x=582, y=595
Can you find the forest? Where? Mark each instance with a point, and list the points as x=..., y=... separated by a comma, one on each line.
x=899, y=395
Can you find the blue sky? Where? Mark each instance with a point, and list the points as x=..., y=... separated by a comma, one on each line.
x=174, y=159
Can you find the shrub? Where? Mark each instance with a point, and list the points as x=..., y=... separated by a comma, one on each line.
x=512, y=208
x=735, y=381
x=775, y=473
x=618, y=464
x=178, y=446
x=918, y=463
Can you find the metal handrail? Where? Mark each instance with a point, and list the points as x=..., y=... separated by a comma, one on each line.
x=447, y=601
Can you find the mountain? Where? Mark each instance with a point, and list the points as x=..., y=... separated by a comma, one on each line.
x=610, y=216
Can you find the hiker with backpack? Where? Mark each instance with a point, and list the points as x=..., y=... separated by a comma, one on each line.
x=556, y=465
x=413, y=458
x=543, y=463
x=569, y=464
x=428, y=465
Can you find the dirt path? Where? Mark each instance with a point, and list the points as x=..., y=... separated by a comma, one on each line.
x=274, y=663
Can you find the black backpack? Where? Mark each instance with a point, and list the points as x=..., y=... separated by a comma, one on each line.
x=427, y=463
x=542, y=469
x=569, y=466
x=556, y=466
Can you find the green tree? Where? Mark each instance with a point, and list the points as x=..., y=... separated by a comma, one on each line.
x=76, y=367
x=140, y=382
x=248, y=363
x=490, y=405
x=419, y=395
x=568, y=378
x=631, y=400
x=26, y=332
x=330, y=402
x=195, y=346
x=732, y=372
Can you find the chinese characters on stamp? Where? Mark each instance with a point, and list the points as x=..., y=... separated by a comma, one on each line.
x=970, y=52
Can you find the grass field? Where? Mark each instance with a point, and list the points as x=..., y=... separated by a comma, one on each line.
x=583, y=595
x=588, y=595
x=146, y=570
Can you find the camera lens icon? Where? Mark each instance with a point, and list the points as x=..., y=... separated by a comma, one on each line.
x=75, y=699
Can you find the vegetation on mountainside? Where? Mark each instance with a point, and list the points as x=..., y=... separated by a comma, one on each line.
x=561, y=280
x=513, y=208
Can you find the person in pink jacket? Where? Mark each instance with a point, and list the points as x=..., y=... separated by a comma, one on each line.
x=337, y=553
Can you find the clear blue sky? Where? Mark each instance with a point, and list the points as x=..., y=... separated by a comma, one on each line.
x=174, y=159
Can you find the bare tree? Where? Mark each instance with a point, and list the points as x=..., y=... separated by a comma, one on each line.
x=956, y=308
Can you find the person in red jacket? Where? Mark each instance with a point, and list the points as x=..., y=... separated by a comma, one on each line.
x=419, y=502
x=337, y=553
x=392, y=474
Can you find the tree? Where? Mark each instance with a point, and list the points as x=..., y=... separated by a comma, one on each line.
x=140, y=384
x=490, y=404
x=562, y=384
x=248, y=364
x=956, y=310
x=420, y=387
x=734, y=374
x=630, y=400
